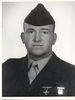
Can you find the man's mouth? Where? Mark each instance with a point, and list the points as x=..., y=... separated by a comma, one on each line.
x=37, y=45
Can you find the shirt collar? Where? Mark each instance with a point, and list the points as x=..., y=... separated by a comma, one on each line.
x=41, y=63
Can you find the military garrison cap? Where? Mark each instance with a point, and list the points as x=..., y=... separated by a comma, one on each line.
x=39, y=16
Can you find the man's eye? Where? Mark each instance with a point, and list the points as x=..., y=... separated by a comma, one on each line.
x=30, y=32
x=45, y=32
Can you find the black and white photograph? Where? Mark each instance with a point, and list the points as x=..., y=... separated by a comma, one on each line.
x=38, y=49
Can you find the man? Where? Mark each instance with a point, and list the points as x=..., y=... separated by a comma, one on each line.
x=41, y=72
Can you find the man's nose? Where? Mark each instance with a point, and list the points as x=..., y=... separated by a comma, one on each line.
x=37, y=37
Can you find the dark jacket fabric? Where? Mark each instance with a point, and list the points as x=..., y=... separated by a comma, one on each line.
x=55, y=75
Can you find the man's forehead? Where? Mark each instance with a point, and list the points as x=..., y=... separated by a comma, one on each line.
x=27, y=26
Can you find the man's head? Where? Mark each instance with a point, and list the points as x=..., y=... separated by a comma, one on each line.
x=38, y=35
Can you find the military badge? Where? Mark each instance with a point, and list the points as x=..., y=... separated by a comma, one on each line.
x=46, y=90
x=60, y=90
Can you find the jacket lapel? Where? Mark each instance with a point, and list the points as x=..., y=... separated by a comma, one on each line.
x=23, y=72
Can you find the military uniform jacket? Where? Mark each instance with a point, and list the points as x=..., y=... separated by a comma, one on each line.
x=57, y=78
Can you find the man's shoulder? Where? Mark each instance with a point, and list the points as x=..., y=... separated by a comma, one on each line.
x=65, y=65
x=62, y=63
x=13, y=62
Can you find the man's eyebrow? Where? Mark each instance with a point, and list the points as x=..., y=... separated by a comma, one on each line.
x=44, y=29
x=31, y=29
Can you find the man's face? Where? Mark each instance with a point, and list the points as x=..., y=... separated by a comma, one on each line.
x=38, y=39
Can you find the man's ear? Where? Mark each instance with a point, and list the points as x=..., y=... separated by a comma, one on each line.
x=55, y=38
x=22, y=37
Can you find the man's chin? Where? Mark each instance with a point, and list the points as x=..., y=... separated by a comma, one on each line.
x=37, y=54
